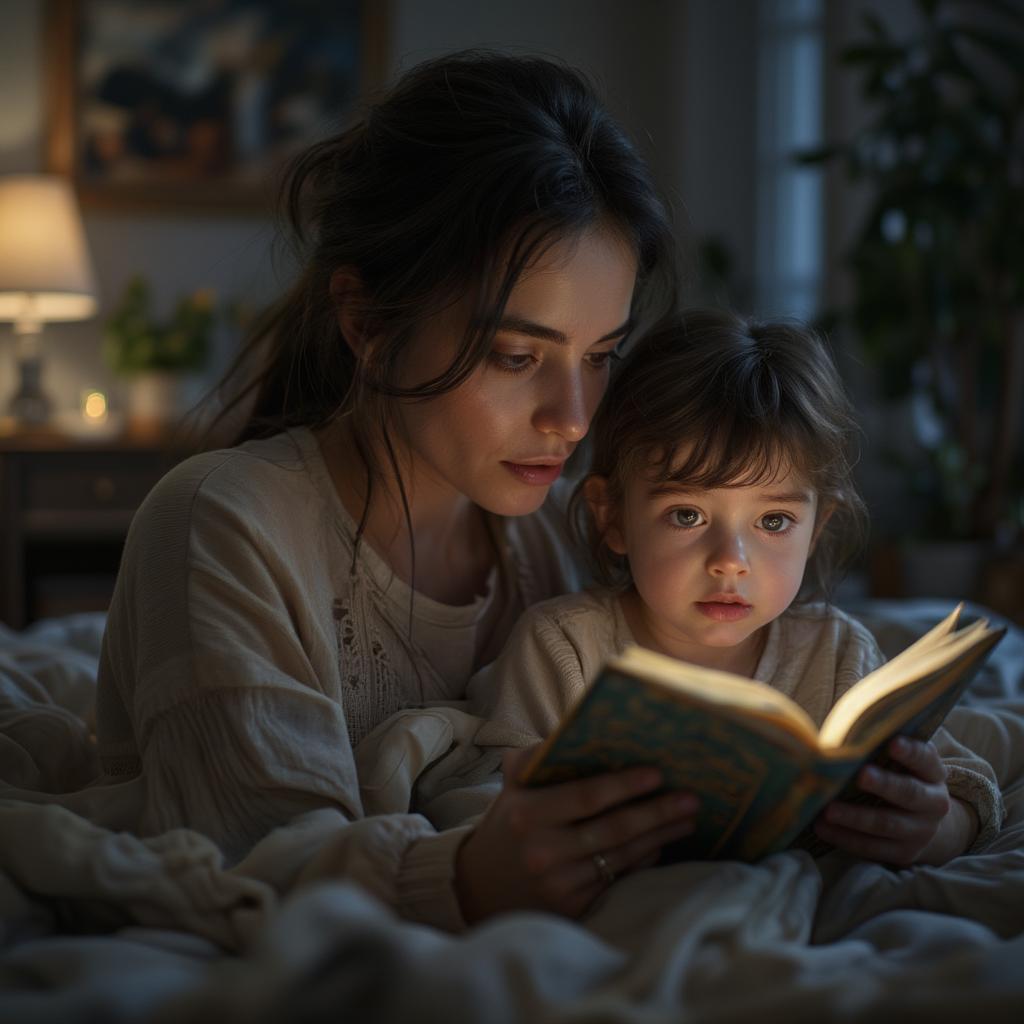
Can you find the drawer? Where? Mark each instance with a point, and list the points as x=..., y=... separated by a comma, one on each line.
x=88, y=481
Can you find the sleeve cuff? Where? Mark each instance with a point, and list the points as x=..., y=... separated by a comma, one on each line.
x=426, y=880
x=980, y=793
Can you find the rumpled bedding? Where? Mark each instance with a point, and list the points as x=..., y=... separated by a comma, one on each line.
x=100, y=925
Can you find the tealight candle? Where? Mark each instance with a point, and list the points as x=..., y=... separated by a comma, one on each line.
x=94, y=407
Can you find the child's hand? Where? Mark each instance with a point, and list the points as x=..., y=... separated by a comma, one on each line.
x=918, y=823
x=559, y=847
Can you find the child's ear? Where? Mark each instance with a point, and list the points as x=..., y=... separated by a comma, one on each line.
x=349, y=298
x=824, y=515
x=605, y=513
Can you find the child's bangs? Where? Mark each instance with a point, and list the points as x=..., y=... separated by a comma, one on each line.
x=737, y=453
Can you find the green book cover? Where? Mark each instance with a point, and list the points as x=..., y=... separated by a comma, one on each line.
x=761, y=776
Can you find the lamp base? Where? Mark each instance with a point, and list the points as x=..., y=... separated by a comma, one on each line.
x=29, y=405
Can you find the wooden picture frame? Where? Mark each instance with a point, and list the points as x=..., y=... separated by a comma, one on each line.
x=188, y=105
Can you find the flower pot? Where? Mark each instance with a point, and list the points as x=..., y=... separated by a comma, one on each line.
x=154, y=401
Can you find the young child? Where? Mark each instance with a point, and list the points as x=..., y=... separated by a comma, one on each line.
x=720, y=502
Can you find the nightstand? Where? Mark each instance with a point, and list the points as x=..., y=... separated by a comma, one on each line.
x=65, y=507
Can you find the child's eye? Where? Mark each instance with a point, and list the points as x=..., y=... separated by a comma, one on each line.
x=776, y=522
x=687, y=518
x=511, y=362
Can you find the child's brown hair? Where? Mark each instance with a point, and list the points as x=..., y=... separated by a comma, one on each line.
x=738, y=397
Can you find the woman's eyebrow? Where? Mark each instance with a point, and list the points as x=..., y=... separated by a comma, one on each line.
x=532, y=329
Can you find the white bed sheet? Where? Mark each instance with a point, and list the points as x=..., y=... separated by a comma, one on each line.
x=105, y=926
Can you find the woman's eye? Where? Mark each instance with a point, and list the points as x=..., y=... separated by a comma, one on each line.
x=687, y=518
x=599, y=360
x=511, y=362
x=776, y=522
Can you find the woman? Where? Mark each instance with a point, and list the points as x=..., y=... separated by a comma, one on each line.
x=476, y=247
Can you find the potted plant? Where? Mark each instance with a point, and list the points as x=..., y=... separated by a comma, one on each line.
x=154, y=353
x=938, y=261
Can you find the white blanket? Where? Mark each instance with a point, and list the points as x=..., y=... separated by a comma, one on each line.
x=105, y=926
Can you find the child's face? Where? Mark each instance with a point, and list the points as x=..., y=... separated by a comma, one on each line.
x=711, y=567
x=502, y=436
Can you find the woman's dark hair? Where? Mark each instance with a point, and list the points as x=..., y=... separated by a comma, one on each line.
x=447, y=188
x=711, y=399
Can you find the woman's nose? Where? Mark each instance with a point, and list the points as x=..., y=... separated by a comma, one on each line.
x=566, y=404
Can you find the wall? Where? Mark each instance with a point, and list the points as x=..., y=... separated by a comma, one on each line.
x=626, y=47
x=680, y=74
x=713, y=148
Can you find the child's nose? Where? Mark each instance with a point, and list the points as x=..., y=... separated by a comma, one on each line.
x=728, y=556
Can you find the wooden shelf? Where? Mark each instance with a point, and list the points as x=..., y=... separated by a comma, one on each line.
x=65, y=507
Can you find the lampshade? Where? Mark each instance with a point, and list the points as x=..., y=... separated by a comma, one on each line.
x=45, y=270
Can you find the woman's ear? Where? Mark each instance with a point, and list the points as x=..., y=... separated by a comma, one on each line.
x=348, y=296
x=605, y=512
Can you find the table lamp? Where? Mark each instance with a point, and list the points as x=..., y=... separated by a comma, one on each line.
x=45, y=275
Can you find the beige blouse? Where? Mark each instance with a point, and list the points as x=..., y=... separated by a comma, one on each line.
x=813, y=653
x=247, y=653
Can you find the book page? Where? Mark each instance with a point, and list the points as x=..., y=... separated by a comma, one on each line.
x=720, y=688
x=879, y=681
x=923, y=671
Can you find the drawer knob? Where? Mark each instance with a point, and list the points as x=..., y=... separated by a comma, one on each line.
x=103, y=488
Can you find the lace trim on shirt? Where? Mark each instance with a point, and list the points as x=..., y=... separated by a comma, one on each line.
x=371, y=688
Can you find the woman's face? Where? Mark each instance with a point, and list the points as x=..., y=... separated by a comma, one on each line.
x=502, y=437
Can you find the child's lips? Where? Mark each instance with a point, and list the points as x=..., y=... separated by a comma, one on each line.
x=725, y=610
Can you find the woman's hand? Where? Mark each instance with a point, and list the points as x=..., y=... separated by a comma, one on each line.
x=558, y=847
x=918, y=824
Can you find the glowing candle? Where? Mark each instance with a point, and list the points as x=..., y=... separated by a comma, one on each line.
x=94, y=407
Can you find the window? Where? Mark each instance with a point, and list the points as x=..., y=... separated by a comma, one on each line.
x=789, y=198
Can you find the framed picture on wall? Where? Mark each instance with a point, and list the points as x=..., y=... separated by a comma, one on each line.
x=197, y=104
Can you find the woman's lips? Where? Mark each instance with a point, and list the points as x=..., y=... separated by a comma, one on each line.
x=540, y=475
x=724, y=611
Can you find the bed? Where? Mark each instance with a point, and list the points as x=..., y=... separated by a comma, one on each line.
x=104, y=926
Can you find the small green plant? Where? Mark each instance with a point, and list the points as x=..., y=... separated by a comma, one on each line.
x=136, y=342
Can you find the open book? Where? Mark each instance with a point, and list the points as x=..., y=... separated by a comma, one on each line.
x=761, y=768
